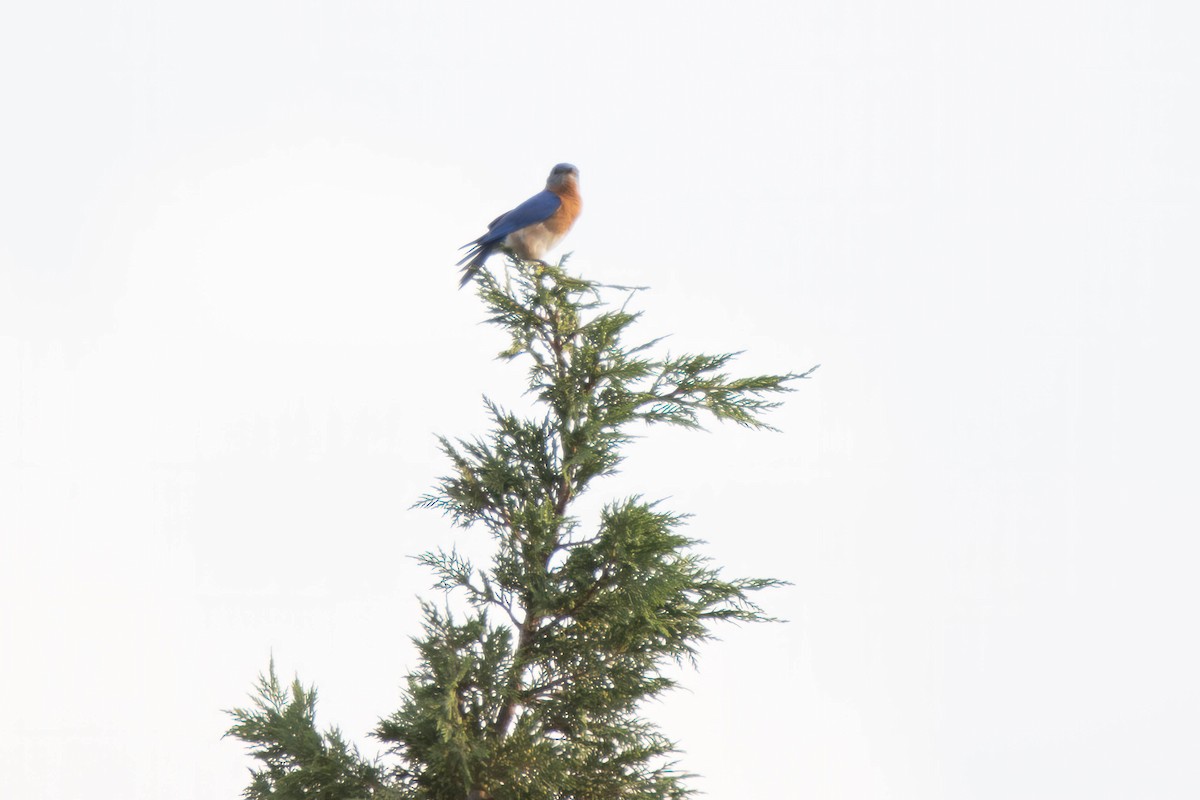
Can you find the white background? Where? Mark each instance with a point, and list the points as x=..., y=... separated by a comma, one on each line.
x=229, y=330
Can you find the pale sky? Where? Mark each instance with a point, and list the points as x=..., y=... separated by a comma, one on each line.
x=230, y=330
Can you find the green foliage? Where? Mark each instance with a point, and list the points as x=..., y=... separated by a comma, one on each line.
x=535, y=693
x=298, y=762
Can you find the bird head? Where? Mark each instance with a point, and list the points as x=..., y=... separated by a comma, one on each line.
x=561, y=175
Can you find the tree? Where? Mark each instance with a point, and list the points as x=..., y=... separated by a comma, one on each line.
x=534, y=692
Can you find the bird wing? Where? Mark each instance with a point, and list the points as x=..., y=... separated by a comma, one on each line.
x=534, y=210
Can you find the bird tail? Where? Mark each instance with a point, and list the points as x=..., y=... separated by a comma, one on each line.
x=474, y=261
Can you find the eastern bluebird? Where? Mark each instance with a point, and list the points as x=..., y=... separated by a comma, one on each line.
x=533, y=228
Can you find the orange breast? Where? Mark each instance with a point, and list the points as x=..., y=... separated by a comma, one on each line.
x=572, y=204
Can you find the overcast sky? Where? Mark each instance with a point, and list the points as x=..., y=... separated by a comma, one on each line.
x=230, y=330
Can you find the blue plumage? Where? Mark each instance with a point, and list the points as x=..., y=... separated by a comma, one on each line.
x=536, y=209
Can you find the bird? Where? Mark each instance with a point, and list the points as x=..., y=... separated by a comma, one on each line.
x=533, y=228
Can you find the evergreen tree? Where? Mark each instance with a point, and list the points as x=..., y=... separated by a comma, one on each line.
x=534, y=693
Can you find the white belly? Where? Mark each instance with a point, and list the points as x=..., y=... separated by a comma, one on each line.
x=533, y=242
